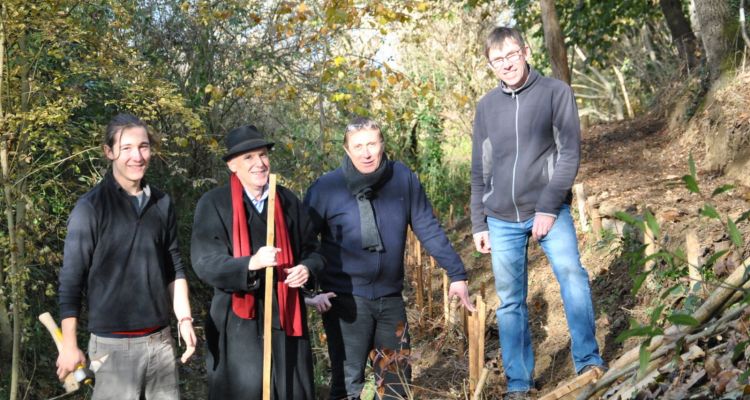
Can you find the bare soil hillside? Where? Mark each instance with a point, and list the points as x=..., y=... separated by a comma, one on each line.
x=631, y=166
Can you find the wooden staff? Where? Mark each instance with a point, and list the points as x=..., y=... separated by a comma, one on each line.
x=268, y=305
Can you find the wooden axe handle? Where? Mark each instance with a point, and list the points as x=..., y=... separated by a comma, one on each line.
x=49, y=323
x=70, y=384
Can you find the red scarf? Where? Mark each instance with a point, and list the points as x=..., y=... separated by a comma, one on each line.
x=243, y=303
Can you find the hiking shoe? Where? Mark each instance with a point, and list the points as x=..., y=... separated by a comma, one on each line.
x=517, y=396
x=600, y=369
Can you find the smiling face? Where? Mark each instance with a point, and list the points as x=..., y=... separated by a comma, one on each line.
x=130, y=154
x=365, y=148
x=508, y=62
x=252, y=168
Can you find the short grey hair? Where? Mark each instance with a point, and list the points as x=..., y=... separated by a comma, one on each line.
x=360, y=124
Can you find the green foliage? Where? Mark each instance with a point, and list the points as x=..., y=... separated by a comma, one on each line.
x=670, y=268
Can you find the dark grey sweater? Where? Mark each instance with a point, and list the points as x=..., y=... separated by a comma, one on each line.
x=526, y=151
x=121, y=258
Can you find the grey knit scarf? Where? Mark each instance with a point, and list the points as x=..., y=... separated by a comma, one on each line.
x=361, y=186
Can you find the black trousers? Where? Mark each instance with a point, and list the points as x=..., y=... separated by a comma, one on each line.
x=358, y=328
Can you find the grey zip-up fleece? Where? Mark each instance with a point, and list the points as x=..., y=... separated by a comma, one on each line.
x=526, y=151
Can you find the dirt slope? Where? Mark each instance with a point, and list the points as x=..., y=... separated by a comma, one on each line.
x=632, y=166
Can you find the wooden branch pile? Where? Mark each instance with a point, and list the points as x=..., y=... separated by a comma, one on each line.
x=706, y=359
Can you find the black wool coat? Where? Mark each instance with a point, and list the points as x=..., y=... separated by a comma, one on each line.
x=235, y=345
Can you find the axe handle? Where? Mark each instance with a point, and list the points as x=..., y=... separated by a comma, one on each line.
x=49, y=323
x=70, y=384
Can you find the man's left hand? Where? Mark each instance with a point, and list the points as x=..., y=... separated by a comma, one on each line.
x=542, y=225
x=187, y=333
x=461, y=290
x=296, y=276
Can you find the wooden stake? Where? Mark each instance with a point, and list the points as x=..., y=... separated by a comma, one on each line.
x=568, y=390
x=268, y=299
x=482, y=311
x=480, y=384
x=596, y=218
x=446, y=300
x=693, y=258
x=450, y=215
x=649, y=239
x=581, y=200
x=476, y=323
x=420, y=278
x=430, y=270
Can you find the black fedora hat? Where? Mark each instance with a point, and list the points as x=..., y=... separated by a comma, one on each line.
x=243, y=139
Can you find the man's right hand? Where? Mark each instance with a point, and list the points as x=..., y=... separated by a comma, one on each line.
x=482, y=242
x=264, y=257
x=68, y=360
x=321, y=302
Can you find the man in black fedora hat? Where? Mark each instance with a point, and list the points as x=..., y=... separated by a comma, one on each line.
x=229, y=252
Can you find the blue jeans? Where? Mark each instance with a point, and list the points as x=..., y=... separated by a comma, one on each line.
x=509, y=243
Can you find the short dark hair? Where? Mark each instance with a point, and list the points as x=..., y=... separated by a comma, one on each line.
x=359, y=124
x=497, y=37
x=123, y=121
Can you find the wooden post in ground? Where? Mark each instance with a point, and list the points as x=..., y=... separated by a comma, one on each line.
x=596, y=218
x=268, y=298
x=652, y=246
x=581, y=200
x=476, y=324
x=420, y=278
x=450, y=215
x=430, y=269
x=693, y=258
x=446, y=300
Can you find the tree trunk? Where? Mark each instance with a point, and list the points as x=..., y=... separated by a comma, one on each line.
x=714, y=18
x=679, y=27
x=554, y=41
x=6, y=334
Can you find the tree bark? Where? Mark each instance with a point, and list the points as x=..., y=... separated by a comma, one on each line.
x=679, y=27
x=713, y=18
x=554, y=41
x=6, y=334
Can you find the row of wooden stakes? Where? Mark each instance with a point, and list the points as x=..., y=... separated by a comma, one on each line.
x=474, y=324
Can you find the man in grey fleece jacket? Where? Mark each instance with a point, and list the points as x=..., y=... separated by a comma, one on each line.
x=525, y=157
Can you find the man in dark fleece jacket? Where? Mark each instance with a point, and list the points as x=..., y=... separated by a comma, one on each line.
x=362, y=211
x=525, y=157
x=121, y=250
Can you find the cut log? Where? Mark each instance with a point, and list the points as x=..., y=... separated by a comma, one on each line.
x=568, y=390
x=720, y=295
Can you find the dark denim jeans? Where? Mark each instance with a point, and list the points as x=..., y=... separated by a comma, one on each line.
x=509, y=243
x=355, y=326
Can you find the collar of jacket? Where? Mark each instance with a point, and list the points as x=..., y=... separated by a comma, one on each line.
x=530, y=81
x=111, y=182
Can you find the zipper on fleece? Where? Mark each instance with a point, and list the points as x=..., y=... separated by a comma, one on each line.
x=515, y=162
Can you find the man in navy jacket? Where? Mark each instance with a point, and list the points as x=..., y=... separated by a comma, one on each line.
x=362, y=210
